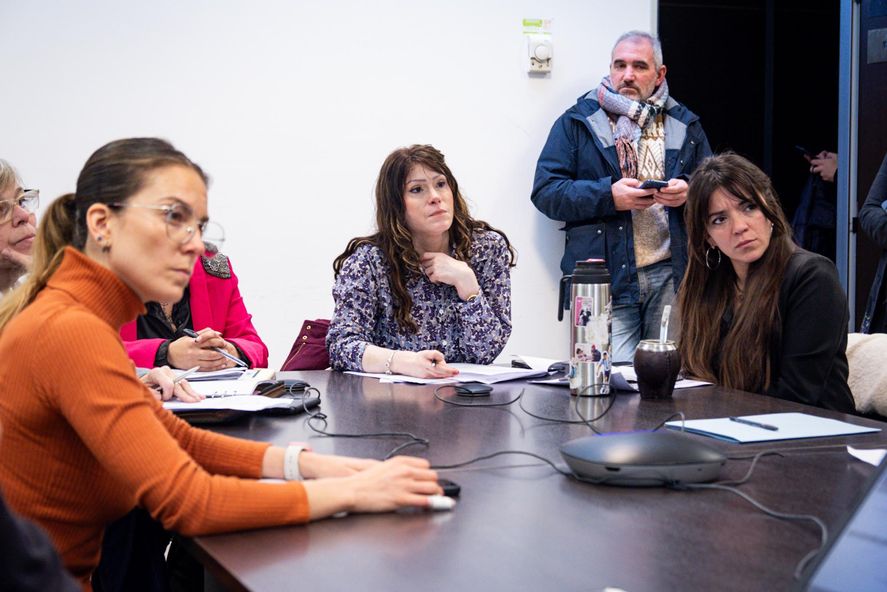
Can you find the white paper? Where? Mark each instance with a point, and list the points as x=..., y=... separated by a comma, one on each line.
x=239, y=403
x=871, y=456
x=226, y=374
x=791, y=426
x=467, y=373
x=225, y=388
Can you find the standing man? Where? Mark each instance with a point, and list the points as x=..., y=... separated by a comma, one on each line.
x=589, y=175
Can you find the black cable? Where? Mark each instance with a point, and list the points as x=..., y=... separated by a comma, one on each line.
x=502, y=453
x=802, y=564
x=569, y=474
x=320, y=416
x=584, y=420
x=460, y=404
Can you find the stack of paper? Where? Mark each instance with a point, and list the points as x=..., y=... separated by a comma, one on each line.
x=467, y=373
x=225, y=374
x=236, y=402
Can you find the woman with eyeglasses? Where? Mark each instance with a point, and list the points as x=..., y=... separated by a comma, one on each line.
x=84, y=440
x=18, y=222
x=432, y=284
x=211, y=307
x=758, y=313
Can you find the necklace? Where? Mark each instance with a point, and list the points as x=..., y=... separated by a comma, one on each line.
x=166, y=309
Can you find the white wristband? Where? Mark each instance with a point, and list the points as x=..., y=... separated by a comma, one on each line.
x=291, y=470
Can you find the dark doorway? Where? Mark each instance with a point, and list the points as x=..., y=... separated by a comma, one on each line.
x=763, y=77
x=872, y=143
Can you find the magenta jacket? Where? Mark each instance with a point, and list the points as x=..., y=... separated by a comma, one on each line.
x=216, y=303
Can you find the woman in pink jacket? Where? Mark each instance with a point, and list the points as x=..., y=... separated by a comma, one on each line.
x=213, y=308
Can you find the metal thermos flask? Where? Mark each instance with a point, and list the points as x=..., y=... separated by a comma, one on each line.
x=590, y=332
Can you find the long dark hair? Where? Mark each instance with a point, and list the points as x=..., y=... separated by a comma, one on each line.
x=392, y=235
x=113, y=174
x=740, y=360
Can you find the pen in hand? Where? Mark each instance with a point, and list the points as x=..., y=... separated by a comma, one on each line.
x=218, y=350
x=157, y=388
x=185, y=374
x=756, y=424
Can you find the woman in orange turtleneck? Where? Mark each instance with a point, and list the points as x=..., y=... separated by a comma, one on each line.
x=85, y=441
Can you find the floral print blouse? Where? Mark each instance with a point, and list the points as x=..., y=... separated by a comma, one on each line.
x=462, y=331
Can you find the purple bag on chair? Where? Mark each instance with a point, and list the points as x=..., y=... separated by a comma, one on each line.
x=309, y=349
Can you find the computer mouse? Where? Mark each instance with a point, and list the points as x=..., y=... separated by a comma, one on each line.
x=559, y=367
x=643, y=459
x=473, y=389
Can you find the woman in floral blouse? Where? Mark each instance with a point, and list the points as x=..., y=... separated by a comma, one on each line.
x=431, y=285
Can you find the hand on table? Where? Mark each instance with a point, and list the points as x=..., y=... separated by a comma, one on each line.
x=392, y=484
x=428, y=363
x=316, y=466
x=162, y=378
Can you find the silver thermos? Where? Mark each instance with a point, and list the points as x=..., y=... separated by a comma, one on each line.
x=590, y=332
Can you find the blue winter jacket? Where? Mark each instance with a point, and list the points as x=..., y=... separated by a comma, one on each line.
x=573, y=177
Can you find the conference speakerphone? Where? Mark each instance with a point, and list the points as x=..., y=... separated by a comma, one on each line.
x=642, y=459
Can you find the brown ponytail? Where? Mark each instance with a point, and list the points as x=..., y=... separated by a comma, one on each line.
x=113, y=174
x=55, y=232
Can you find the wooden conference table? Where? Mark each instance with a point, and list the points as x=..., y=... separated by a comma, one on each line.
x=521, y=526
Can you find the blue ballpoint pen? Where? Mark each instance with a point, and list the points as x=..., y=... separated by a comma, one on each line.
x=218, y=350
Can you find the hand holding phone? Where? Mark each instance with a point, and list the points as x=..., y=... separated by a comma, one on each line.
x=805, y=152
x=653, y=184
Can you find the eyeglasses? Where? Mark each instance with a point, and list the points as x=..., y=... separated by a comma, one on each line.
x=181, y=224
x=29, y=201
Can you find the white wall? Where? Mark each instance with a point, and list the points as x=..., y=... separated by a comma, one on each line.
x=292, y=106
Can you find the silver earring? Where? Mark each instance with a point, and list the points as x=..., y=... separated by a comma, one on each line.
x=708, y=263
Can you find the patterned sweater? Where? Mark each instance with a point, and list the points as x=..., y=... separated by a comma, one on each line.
x=84, y=441
x=462, y=331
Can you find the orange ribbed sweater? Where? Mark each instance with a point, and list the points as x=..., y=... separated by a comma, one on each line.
x=84, y=441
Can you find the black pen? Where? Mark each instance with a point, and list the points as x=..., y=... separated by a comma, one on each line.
x=757, y=424
x=218, y=350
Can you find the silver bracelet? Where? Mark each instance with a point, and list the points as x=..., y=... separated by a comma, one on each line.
x=388, y=363
x=291, y=471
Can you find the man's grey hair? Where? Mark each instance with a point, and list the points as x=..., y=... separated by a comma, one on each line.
x=654, y=41
x=8, y=175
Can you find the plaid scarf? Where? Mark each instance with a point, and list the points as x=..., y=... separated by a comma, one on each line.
x=632, y=118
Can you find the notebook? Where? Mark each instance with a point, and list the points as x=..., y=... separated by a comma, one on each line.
x=228, y=409
x=770, y=427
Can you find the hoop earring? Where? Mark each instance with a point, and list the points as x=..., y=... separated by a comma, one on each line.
x=708, y=258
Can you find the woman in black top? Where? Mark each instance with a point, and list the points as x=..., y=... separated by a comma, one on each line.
x=757, y=312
